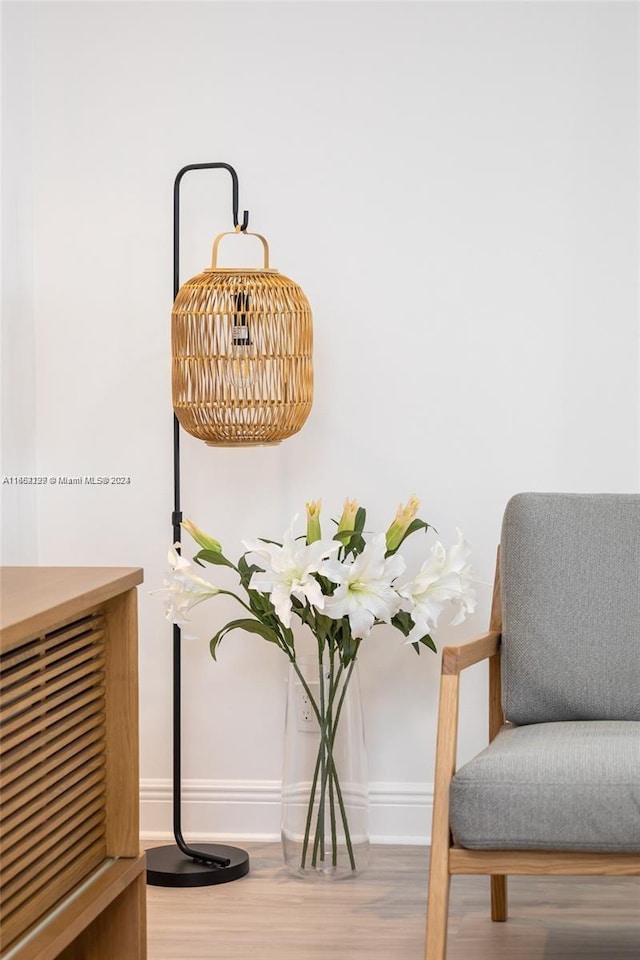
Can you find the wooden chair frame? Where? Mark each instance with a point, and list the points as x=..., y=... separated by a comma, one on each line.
x=447, y=859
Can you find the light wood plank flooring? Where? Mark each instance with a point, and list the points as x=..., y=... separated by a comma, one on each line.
x=380, y=915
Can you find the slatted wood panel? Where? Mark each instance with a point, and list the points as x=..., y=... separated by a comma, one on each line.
x=52, y=768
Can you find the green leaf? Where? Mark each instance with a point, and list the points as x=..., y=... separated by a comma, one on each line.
x=213, y=557
x=303, y=611
x=427, y=641
x=245, y=578
x=354, y=544
x=250, y=626
x=246, y=571
x=402, y=621
x=416, y=525
x=259, y=604
x=413, y=527
x=288, y=637
x=323, y=626
x=346, y=643
x=343, y=535
x=352, y=540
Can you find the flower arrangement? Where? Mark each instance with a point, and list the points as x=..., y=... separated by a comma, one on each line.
x=340, y=588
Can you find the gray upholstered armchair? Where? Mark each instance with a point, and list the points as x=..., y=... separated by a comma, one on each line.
x=557, y=791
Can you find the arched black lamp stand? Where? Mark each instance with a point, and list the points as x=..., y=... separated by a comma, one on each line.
x=180, y=865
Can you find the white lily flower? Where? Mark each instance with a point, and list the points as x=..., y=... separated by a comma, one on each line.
x=183, y=589
x=365, y=592
x=445, y=578
x=290, y=571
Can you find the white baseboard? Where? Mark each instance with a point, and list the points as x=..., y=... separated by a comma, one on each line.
x=237, y=810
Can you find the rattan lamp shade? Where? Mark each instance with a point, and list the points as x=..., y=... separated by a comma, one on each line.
x=242, y=342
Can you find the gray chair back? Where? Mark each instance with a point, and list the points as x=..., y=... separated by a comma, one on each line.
x=570, y=580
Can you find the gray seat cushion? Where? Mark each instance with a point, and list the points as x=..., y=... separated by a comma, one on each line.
x=558, y=786
x=570, y=571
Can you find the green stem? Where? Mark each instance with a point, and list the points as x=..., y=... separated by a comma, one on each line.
x=343, y=812
x=307, y=826
x=282, y=642
x=332, y=803
x=319, y=837
x=307, y=829
x=328, y=734
x=326, y=750
x=343, y=694
x=333, y=773
x=230, y=593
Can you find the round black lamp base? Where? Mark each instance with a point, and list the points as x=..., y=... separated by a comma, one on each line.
x=168, y=866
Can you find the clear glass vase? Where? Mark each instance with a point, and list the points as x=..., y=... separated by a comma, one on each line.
x=325, y=803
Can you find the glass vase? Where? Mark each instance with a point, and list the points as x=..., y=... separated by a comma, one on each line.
x=325, y=801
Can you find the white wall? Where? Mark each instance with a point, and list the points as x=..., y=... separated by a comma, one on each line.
x=454, y=186
x=18, y=543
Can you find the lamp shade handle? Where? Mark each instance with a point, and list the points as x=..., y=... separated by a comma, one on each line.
x=216, y=243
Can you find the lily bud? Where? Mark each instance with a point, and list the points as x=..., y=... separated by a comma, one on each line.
x=402, y=520
x=202, y=539
x=313, y=520
x=348, y=518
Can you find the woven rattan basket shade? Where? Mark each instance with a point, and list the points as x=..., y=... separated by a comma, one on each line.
x=242, y=342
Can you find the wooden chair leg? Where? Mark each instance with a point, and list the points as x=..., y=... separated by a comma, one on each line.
x=438, y=906
x=499, y=909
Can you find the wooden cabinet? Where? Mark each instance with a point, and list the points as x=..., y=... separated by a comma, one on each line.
x=72, y=877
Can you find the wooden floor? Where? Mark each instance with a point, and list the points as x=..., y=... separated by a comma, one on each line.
x=380, y=915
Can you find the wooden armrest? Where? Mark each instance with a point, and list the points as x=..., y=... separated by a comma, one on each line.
x=455, y=659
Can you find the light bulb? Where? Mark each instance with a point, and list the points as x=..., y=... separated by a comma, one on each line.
x=242, y=373
x=242, y=368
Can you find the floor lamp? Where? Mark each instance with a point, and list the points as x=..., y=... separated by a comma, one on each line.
x=241, y=376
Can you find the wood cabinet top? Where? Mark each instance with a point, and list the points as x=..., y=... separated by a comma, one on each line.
x=33, y=599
